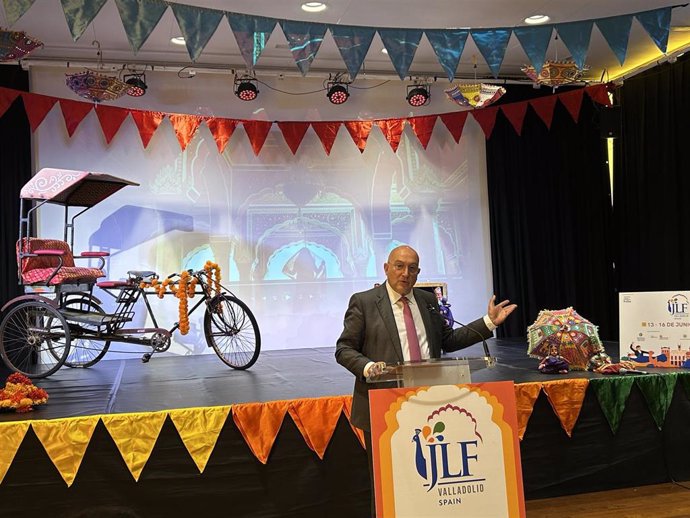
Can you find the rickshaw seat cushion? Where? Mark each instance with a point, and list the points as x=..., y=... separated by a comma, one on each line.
x=49, y=252
x=113, y=284
x=94, y=253
x=37, y=269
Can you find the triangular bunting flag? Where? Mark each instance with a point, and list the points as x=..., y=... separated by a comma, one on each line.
x=455, y=122
x=111, y=119
x=147, y=123
x=65, y=442
x=683, y=379
x=448, y=45
x=526, y=395
x=486, y=117
x=293, y=132
x=80, y=14
x=185, y=127
x=11, y=437
x=359, y=131
x=7, y=97
x=616, y=32
x=535, y=41
x=658, y=393
x=599, y=94
x=15, y=9
x=304, y=40
x=576, y=36
x=353, y=44
x=222, y=130
x=197, y=26
x=392, y=129
x=657, y=23
x=492, y=44
x=401, y=45
x=259, y=424
x=316, y=420
x=37, y=107
x=252, y=34
x=135, y=436
x=566, y=397
x=74, y=112
x=612, y=394
x=515, y=113
x=326, y=131
x=573, y=102
x=423, y=127
x=139, y=19
x=199, y=429
x=257, y=131
x=347, y=410
x=544, y=106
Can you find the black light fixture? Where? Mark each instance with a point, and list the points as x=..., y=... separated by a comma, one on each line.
x=337, y=92
x=137, y=84
x=418, y=95
x=245, y=88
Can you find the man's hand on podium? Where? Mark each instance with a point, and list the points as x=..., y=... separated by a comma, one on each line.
x=374, y=369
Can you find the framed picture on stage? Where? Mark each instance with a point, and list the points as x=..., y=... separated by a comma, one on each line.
x=438, y=288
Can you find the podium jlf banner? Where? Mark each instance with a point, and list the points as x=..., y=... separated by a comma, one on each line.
x=655, y=328
x=446, y=450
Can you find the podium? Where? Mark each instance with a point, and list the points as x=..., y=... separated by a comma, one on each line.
x=435, y=371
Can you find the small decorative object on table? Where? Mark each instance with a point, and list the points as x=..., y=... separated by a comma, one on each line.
x=20, y=394
x=554, y=363
x=602, y=363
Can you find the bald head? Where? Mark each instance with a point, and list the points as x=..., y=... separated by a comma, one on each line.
x=402, y=269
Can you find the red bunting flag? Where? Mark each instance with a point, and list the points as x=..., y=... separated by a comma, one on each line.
x=257, y=131
x=573, y=102
x=73, y=113
x=544, y=107
x=359, y=131
x=486, y=117
x=7, y=97
x=326, y=131
x=147, y=123
x=515, y=113
x=293, y=133
x=392, y=129
x=222, y=130
x=185, y=127
x=455, y=122
x=111, y=119
x=599, y=94
x=37, y=107
x=423, y=127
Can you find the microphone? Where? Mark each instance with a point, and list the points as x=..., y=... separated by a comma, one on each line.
x=490, y=360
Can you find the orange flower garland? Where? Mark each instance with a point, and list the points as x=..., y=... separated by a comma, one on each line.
x=20, y=394
x=213, y=278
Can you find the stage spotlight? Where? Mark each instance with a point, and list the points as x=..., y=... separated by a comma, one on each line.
x=337, y=92
x=418, y=95
x=137, y=84
x=245, y=88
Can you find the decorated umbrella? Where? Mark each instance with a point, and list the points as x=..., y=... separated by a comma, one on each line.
x=16, y=44
x=475, y=95
x=575, y=337
x=555, y=73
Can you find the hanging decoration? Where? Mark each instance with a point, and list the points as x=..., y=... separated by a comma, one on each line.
x=15, y=45
x=475, y=95
x=555, y=73
x=95, y=86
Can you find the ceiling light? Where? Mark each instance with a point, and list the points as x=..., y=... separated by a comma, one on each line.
x=313, y=7
x=384, y=50
x=537, y=19
x=137, y=84
x=418, y=95
x=680, y=28
x=338, y=92
x=178, y=40
x=246, y=89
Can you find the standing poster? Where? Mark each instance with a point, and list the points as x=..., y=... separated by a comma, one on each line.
x=655, y=328
x=447, y=450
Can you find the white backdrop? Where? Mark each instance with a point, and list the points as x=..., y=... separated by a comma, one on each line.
x=294, y=235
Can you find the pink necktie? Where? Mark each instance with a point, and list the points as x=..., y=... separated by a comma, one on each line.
x=412, y=340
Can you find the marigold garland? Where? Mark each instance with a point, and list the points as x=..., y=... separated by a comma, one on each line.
x=20, y=394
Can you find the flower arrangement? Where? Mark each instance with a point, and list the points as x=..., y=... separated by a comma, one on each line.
x=20, y=394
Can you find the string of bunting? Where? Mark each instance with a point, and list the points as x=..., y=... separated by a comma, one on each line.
x=185, y=126
x=198, y=24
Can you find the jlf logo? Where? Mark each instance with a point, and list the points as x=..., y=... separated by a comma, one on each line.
x=678, y=305
x=443, y=462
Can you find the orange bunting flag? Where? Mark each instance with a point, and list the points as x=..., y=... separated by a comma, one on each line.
x=526, y=395
x=347, y=408
x=326, y=131
x=293, y=133
x=359, y=131
x=566, y=397
x=392, y=129
x=147, y=123
x=222, y=130
x=316, y=420
x=185, y=127
x=257, y=131
x=259, y=424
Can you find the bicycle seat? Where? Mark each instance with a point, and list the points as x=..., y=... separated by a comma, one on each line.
x=141, y=274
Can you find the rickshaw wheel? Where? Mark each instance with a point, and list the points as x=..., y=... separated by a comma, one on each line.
x=231, y=329
x=34, y=339
x=85, y=350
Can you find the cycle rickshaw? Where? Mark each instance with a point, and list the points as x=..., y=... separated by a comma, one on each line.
x=59, y=321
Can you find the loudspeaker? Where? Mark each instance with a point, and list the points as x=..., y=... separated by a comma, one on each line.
x=610, y=122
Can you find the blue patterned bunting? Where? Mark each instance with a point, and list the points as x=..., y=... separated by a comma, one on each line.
x=79, y=14
x=140, y=19
x=15, y=9
x=576, y=36
x=251, y=33
x=197, y=26
x=535, y=41
x=616, y=32
x=401, y=45
x=304, y=39
x=353, y=44
x=448, y=45
x=657, y=23
x=492, y=44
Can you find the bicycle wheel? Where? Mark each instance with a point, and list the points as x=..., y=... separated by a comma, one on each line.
x=232, y=331
x=85, y=350
x=34, y=339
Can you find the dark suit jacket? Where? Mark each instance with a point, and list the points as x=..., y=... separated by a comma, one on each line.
x=370, y=334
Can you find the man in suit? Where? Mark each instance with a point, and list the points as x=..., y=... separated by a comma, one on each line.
x=395, y=322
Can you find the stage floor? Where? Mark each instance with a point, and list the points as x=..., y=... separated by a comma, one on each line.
x=128, y=385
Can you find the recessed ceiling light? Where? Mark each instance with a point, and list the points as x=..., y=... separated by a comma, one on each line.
x=537, y=19
x=313, y=7
x=384, y=50
x=680, y=28
x=178, y=40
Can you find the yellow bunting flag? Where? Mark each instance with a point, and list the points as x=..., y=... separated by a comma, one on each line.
x=566, y=397
x=135, y=436
x=526, y=395
x=259, y=424
x=347, y=408
x=316, y=420
x=199, y=429
x=65, y=442
x=11, y=437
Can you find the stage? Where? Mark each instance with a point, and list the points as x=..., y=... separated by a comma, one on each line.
x=284, y=446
